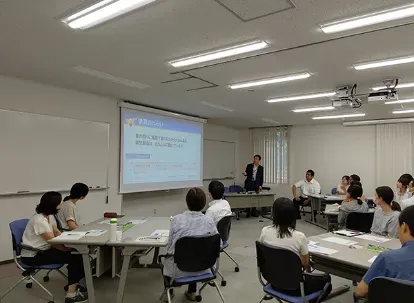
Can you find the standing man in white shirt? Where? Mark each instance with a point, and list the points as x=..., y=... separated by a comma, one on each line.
x=307, y=186
x=218, y=208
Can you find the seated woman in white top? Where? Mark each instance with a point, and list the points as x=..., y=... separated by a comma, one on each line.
x=402, y=192
x=67, y=212
x=41, y=228
x=343, y=187
x=353, y=204
x=386, y=216
x=190, y=223
x=283, y=234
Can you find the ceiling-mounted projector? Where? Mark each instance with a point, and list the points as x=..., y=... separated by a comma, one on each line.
x=345, y=97
x=384, y=95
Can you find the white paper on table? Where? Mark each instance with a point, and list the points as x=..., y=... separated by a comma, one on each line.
x=347, y=233
x=339, y=241
x=373, y=238
x=149, y=239
x=312, y=242
x=95, y=232
x=72, y=235
x=106, y=221
x=372, y=259
x=321, y=249
x=160, y=233
x=137, y=222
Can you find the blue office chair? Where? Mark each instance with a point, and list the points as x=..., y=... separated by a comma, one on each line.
x=223, y=228
x=194, y=254
x=282, y=269
x=236, y=189
x=17, y=229
x=226, y=190
x=334, y=191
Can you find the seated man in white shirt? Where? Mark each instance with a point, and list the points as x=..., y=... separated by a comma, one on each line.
x=218, y=208
x=308, y=186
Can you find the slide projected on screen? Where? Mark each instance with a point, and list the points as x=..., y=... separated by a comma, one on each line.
x=159, y=152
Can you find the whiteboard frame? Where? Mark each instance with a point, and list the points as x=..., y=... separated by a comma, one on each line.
x=101, y=187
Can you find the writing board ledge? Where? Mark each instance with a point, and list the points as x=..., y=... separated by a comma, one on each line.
x=37, y=192
x=222, y=178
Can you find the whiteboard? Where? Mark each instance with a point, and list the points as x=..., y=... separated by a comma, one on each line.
x=41, y=153
x=219, y=159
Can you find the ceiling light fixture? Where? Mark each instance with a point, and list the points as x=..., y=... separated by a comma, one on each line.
x=382, y=63
x=302, y=97
x=373, y=122
x=404, y=111
x=220, y=53
x=400, y=85
x=270, y=81
x=270, y=121
x=218, y=106
x=103, y=11
x=400, y=101
x=313, y=109
x=396, y=13
x=339, y=116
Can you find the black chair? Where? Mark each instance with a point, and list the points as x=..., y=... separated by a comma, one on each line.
x=385, y=290
x=360, y=221
x=195, y=254
x=282, y=269
x=223, y=228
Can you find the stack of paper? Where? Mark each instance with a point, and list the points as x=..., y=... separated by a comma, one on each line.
x=72, y=235
x=321, y=249
x=339, y=241
x=95, y=232
x=373, y=238
x=347, y=233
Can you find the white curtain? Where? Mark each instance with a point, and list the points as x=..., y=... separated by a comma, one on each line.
x=393, y=152
x=272, y=145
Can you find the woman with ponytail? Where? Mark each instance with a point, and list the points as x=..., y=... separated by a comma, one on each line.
x=67, y=212
x=386, y=216
x=354, y=204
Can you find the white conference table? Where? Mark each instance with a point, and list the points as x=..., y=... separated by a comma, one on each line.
x=87, y=244
x=129, y=244
x=249, y=200
x=349, y=263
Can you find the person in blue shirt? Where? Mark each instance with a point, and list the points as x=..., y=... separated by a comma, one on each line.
x=398, y=263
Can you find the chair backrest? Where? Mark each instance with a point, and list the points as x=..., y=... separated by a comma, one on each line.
x=226, y=190
x=360, y=221
x=17, y=229
x=334, y=191
x=385, y=290
x=236, y=189
x=224, y=227
x=280, y=267
x=194, y=254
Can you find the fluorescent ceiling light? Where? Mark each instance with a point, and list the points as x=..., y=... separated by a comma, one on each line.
x=404, y=111
x=108, y=77
x=384, y=121
x=103, y=11
x=270, y=81
x=339, y=116
x=220, y=53
x=382, y=63
x=313, y=109
x=270, y=121
x=369, y=19
x=218, y=106
x=400, y=85
x=302, y=97
x=400, y=101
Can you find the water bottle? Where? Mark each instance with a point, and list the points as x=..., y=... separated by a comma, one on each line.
x=112, y=231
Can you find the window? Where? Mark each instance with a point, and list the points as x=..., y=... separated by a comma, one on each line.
x=272, y=145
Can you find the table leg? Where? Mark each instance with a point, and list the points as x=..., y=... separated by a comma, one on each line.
x=155, y=263
x=122, y=280
x=84, y=250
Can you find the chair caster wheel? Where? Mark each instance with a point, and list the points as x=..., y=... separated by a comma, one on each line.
x=29, y=285
x=199, y=298
x=46, y=279
x=66, y=287
x=223, y=283
x=236, y=269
